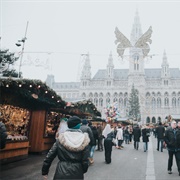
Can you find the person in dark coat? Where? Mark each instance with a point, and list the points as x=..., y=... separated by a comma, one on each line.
x=100, y=137
x=71, y=147
x=160, y=130
x=95, y=135
x=136, y=136
x=145, y=137
x=86, y=129
x=3, y=135
x=172, y=139
x=108, y=142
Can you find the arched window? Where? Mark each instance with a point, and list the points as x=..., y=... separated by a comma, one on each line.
x=159, y=94
x=148, y=99
x=125, y=102
x=153, y=120
x=96, y=101
x=125, y=94
x=153, y=104
x=95, y=95
x=121, y=102
x=108, y=95
x=115, y=95
x=101, y=102
x=166, y=102
x=115, y=100
x=84, y=95
x=158, y=102
x=101, y=95
x=159, y=119
x=148, y=120
x=90, y=95
x=174, y=102
x=178, y=102
x=108, y=101
x=174, y=94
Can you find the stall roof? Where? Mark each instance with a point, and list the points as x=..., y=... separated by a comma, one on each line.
x=34, y=94
x=85, y=106
x=27, y=93
x=124, y=120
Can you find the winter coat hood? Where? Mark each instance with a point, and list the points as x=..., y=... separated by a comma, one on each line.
x=74, y=140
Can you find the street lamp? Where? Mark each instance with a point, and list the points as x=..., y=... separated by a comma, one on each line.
x=22, y=42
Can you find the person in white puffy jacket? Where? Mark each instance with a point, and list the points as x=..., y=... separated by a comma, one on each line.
x=119, y=136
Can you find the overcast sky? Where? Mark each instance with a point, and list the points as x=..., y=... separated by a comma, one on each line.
x=59, y=32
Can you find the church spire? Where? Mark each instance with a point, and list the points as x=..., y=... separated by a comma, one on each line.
x=86, y=71
x=136, y=32
x=110, y=66
x=165, y=66
x=110, y=60
x=164, y=59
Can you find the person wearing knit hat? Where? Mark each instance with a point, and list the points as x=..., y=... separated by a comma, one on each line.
x=72, y=149
x=74, y=122
x=84, y=122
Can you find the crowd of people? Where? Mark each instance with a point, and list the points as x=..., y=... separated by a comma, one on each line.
x=76, y=141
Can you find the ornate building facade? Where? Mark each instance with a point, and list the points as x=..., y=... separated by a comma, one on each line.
x=159, y=88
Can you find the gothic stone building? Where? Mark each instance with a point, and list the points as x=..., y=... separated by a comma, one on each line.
x=159, y=88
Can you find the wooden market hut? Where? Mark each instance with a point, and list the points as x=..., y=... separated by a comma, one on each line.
x=24, y=107
x=30, y=111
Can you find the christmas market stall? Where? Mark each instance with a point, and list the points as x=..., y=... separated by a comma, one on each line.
x=85, y=109
x=25, y=110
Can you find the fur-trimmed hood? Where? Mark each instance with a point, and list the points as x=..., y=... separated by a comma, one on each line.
x=74, y=140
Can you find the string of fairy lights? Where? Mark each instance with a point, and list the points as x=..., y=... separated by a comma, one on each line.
x=40, y=91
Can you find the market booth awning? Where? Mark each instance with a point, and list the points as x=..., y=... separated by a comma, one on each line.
x=31, y=94
x=85, y=107
x=124, y=121
x=34, y=94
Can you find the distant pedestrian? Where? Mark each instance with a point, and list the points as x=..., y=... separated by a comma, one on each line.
x=3, y=135
x=119, y=137
x=126, y=134
x=108, y=143
x=100, y=137
x=130, y=134
x=71, y=147
x=154, y=132
x=145, y=137
x=160, y=131
x=172, y=139
x=136, y=136
x=95, y=135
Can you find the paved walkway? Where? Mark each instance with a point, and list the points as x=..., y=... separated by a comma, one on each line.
x=127, y=164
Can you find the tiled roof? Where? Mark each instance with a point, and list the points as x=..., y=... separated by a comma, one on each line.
x=123, y=73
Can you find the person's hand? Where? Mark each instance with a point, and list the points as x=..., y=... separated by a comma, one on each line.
x=45, y=177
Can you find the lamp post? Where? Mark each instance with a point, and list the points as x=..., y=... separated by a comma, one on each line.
x=23, y=40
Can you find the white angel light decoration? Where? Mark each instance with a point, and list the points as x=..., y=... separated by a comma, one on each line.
x=142, y=43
